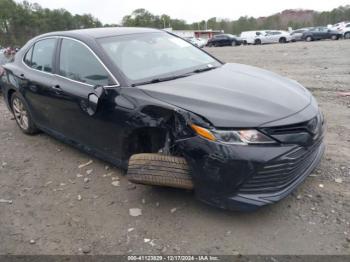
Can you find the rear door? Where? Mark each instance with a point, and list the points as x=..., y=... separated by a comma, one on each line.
x=318, y=34
x=324, y=33
x=218, y=40
x=37, y=79
x=226, y=40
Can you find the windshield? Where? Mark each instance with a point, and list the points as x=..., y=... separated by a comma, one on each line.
x=143, y=57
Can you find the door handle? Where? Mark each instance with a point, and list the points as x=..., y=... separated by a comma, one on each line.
x=21, y=76
x=57, y=88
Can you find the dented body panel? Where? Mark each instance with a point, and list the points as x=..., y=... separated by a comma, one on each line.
x=234, y=95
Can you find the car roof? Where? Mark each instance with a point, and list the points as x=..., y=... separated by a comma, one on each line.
x=102, y=32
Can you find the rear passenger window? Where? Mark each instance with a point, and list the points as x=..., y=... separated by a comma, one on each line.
x=42, y=56
x=28, y=57
x=78, y=63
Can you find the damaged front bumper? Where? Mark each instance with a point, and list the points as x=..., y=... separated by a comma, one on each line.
x=239, y=177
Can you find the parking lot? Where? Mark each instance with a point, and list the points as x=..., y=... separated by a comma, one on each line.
x=51, y=206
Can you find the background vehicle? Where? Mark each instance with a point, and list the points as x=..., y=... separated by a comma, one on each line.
x=345, y=31
x=273, y=37
x=248, y=37
x=297, y=34
x=5, y=57
x=319, y=33
x=339, y=26
x=199, y=42
x=224, y=40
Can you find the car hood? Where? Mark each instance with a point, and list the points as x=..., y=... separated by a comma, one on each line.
x=234, y=95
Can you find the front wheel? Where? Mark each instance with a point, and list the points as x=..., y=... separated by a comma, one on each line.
x=159, y=170
x=22, y=115
x=347, y=35
x=334, y=37
x=309, y=39
x=257, y=42
x=233, y=43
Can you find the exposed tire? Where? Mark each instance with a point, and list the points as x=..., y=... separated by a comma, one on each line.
x=257, y=41
x=22, y=115
x=347, y=35
x=283, y=40
x=233, y=43
x=334, y=37
x=159, y=170
x=309, y=39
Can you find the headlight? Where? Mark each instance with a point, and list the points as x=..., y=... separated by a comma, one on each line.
x=242, y=137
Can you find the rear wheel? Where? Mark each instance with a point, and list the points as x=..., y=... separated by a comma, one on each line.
x=22, y=115
x=159, y=170
x=347, y=35
x=309, y=38
x=233, y=43
x=283, y=40
x=334, y=37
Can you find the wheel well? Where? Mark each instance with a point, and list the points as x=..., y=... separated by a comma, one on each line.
x=145, y=140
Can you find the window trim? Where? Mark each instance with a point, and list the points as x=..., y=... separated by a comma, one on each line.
x=32, y=46
x=58, y=48
x=98, y=59
x=31, y=55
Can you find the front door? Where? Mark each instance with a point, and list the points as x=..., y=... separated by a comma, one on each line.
x=79, y=72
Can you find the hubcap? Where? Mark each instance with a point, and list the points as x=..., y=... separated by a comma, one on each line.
x=20, y=113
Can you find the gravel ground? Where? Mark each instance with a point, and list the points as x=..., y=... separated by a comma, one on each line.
x=59, y=208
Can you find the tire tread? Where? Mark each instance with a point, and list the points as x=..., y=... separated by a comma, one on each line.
x=159, y=170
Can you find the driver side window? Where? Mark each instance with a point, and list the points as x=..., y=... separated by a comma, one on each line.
x=78, y=63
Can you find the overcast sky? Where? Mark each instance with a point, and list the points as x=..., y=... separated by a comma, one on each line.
x=112, y=11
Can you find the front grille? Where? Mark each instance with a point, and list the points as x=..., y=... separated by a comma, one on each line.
x=295, y=128
x=304, y=133
x=282, y=172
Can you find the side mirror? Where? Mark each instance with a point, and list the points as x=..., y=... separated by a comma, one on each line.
x=94, y=99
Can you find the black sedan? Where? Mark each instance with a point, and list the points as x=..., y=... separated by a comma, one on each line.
x=319, y=33
x=224, y=40
x=146, y=100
